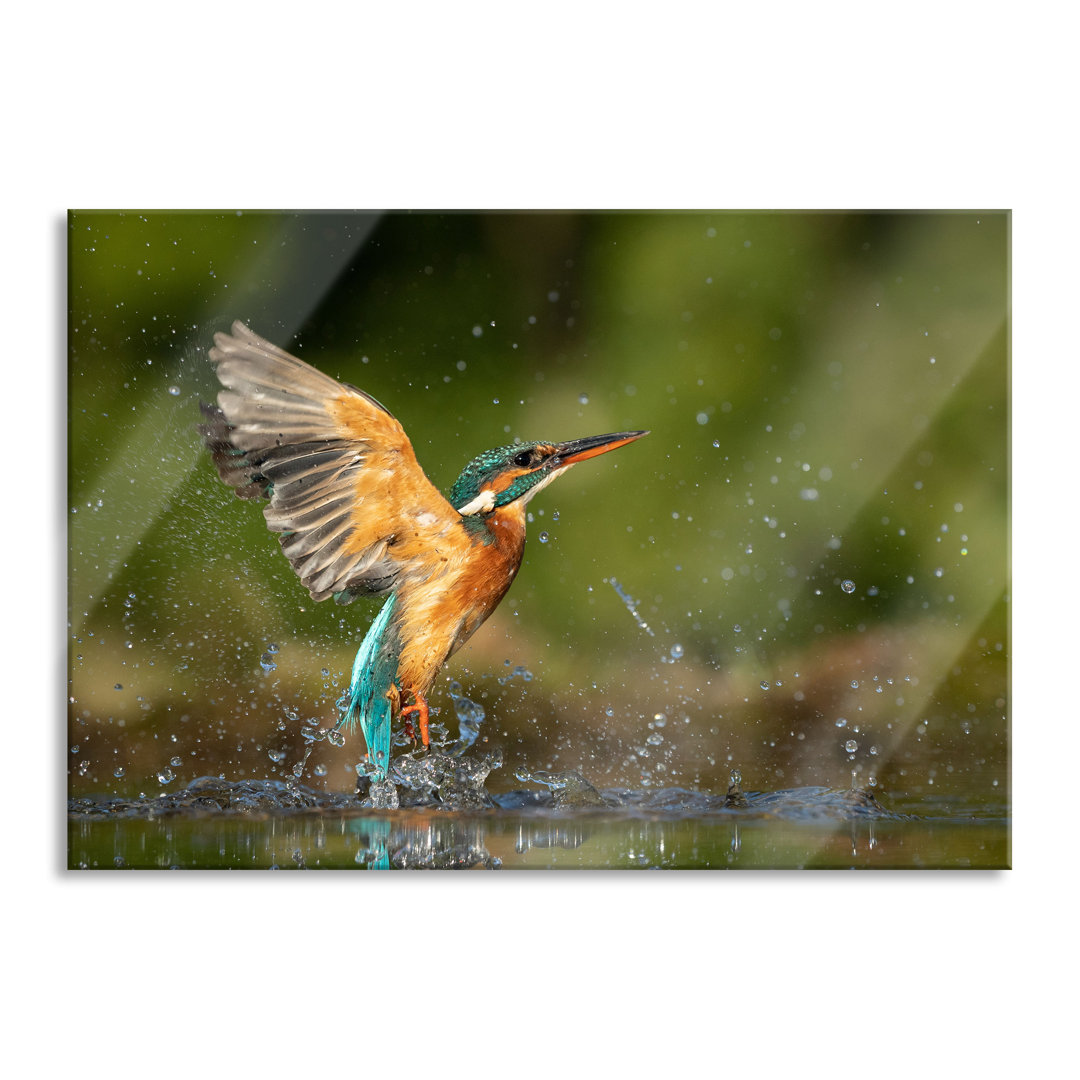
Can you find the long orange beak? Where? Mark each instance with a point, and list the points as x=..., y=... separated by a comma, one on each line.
x=570, y=453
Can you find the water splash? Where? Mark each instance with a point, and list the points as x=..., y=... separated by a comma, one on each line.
x=735, y=796
x=567, y=788
x=470, y=715
x=631, y=606
x=520, y=671
x=437, y=778
x=459, y=784
x=383, y=795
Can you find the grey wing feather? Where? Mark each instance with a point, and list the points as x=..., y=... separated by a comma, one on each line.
x=271, y=436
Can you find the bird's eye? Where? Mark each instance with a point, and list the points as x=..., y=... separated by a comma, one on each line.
x=524, y=459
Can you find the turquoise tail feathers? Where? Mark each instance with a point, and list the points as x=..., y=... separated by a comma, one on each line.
x=372, y=678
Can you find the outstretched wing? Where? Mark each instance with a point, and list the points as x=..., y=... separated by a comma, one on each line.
x=346, y=492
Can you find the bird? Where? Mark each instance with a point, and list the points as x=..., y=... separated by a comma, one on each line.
x=357, y=516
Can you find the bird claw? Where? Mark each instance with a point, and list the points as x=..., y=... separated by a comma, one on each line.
x=421, y=709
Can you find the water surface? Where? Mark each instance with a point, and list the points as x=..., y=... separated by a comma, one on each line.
x=266, y=824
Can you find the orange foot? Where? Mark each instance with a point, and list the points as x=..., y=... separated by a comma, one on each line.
x=421, y=709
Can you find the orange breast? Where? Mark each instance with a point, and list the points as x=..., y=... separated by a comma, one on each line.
x=440, y=614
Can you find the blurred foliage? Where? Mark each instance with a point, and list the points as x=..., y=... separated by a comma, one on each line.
x=828, y=401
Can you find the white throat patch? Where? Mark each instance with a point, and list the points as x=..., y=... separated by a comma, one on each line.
x=482, y=504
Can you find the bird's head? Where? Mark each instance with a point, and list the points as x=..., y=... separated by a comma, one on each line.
x=510, y=474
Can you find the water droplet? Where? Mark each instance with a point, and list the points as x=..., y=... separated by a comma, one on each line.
x=119, y=686
x=655, y=739
x=276, y=756
x=174, y=390
x=583, y=399
x=841, y=722
x=847, y=585
x=335, y=738
x=851, y=746
x=764, y=684
x=118, y=772
x=543, y=538
x=659, y=720
x=165, y=776
x=176, y=762
x=676, y=652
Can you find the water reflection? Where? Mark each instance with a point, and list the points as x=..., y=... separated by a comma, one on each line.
x=217, y=824
x=424, y=844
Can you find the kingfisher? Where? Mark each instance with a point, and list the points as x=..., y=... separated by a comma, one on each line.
x=357, y=516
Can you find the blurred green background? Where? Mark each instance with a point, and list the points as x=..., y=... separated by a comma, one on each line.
x=802, y=573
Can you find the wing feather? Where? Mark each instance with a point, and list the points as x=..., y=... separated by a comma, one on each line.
x=340, y=474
